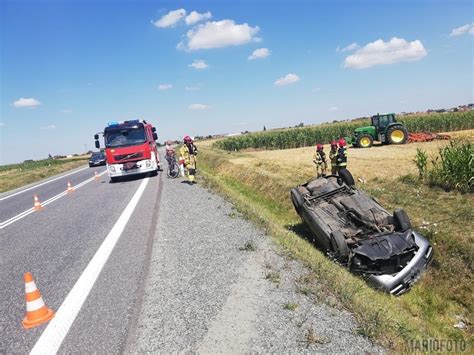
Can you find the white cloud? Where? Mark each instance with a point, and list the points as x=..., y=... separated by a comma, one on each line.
x=287, y=79
x=469, y=28
x=193, y=87
x=315, y=90
x=23, y=102
x=334, y=108
x=348, y=48
x=259, y=53
x=170, y=19
x=198, y=64
x=218, y=34
x=199, y=107
x=163, y=87
x=66, y=110
x=48, y=127
x=2, y=124
x=195, y=17
x=396, y=50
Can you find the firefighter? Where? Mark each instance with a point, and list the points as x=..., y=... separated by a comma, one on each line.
x=319, y=158
x=341, y=158
x=188, y=154
x=333, y=157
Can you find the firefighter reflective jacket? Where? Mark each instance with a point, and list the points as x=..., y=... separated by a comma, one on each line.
x=342, y=156
x=319, y=158
x=333, y=157
x=188, y=153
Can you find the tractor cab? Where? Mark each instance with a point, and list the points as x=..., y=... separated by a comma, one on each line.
x=380, y=122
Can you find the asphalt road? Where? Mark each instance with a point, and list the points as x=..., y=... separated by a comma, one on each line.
x=57, y=245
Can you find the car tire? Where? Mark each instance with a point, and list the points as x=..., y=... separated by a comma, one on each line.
x=401, y=220
x=297, y=200
x=364, y=141
x=339, y=245
x=396, y=135
x=347, y=177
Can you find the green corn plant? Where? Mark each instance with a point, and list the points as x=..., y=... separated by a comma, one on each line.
x=421, y=161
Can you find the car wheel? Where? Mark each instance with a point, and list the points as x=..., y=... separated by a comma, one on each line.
x=401, y=220
x=364, y=141
x=339, y=245
x=297, y=200
x=397, y=135
x=347, y=177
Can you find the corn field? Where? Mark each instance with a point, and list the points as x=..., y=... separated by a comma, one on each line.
x=324, y=133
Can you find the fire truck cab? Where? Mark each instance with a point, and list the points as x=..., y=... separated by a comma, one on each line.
x=130, y=148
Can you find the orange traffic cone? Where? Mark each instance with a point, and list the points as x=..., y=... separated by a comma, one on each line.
x=38, y=206
x=36, y=311
x=96, y=175
x=70, y=190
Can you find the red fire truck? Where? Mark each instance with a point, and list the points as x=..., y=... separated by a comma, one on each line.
x=130, y=148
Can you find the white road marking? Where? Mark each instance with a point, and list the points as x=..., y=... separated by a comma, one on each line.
x=54, y=334
x=43, y=183
x=47, y=202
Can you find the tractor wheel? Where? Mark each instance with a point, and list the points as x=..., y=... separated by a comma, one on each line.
x=339, y=245
x=364, y=141
x=397, y=135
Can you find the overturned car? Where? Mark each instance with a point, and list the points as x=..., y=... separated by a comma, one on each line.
x=354, y=229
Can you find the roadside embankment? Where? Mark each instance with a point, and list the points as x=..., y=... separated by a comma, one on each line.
x=438, y=307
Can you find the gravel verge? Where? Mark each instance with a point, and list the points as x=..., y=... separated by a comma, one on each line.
x=218, y=284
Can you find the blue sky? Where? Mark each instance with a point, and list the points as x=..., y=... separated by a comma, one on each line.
x=69, y=67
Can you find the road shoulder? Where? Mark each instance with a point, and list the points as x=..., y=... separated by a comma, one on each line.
x=218, y=284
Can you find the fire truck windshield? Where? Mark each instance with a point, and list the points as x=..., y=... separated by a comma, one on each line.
x=124, y=137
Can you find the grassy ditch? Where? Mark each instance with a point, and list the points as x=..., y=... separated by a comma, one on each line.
x=17, y=175
x=260, y=189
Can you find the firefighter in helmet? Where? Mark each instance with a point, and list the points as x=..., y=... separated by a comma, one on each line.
x=319, y=158
x=188, y=154
x=341, y=158
x=333, y=157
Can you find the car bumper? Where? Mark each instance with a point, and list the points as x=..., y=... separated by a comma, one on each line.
x=143, y=166
x=399, y=283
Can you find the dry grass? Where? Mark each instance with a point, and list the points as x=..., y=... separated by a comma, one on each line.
x=13, y=178
x=380, y=161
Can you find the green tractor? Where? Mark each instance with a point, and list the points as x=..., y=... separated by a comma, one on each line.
x=384, y=128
